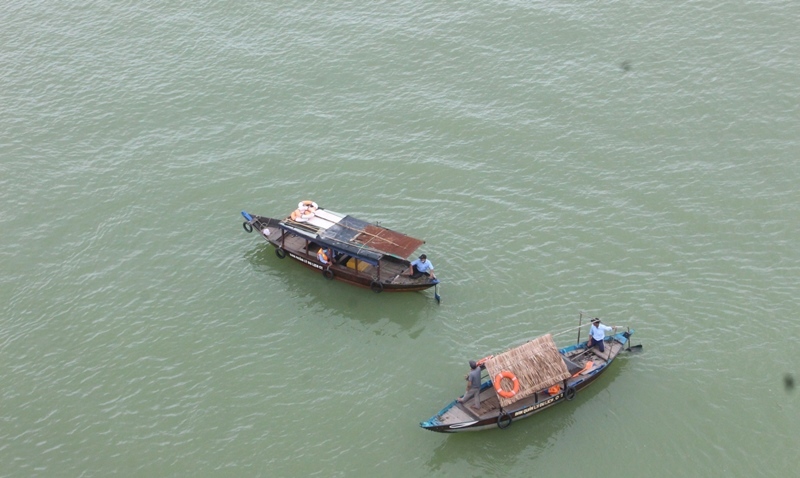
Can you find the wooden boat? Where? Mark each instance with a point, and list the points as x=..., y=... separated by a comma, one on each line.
x=364, y=254
x=543, y=376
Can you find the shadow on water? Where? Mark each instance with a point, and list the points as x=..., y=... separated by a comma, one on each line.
x=311, y=289
x=527, y=438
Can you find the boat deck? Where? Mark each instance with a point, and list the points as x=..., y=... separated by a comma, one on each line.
x=581, y=356
x=463, y=412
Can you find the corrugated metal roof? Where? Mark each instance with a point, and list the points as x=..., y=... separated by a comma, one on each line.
x=356, y=237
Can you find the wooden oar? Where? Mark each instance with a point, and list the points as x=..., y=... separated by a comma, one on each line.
x=586, y=367
x=635, y=348
x=588, y=349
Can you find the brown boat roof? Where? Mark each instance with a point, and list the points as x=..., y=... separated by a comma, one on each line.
x=388, y=241
x=357, y=237
x=536, y=364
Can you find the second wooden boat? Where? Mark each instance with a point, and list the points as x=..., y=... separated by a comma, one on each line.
x=363, y=253
x=528, y=379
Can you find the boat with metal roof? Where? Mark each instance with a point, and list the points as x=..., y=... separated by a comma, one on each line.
x=362, y=253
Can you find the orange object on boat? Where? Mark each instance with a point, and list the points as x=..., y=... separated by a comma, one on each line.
x=499, y=378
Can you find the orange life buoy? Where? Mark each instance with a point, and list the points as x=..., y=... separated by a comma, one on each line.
x=301, y=216
x=554, y=389
x=499, y=378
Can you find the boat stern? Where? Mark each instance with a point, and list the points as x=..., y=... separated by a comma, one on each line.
x=450, y=420
x=432, y=424
x=435, y=423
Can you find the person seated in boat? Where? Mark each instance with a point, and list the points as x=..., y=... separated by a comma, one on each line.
x=473, y=386
x=597, y=334
x=421, y=267
x=325, y=256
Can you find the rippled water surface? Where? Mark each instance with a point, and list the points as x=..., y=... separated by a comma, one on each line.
x=632, y=160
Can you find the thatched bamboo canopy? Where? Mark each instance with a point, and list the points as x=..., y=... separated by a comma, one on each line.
x=537, y=365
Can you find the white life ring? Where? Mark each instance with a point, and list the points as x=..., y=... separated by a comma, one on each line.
x=307, y=206
x=299, y=216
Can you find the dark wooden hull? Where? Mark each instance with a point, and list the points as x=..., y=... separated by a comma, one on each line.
x=457, y=417
x=388, y=275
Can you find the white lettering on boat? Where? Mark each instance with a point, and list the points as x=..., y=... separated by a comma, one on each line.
x=305, y=261
x=538, y=405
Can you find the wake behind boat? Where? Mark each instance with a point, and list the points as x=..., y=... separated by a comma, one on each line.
x=362, y=253
x=528, y=379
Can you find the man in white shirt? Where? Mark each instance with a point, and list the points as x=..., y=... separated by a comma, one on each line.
x=421, y=267
x=597, y=334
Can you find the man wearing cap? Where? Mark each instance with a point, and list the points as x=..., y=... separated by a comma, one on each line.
x=597, y=334
x=473, y=386
x=421, y=267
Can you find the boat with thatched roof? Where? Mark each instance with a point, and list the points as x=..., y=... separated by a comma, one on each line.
x=527, y=379
x=362, y=253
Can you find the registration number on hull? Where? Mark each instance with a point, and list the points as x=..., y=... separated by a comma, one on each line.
x=305, y=261
x=539, y=405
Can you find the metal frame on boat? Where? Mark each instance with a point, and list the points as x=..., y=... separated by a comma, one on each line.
x=364, y=254
x=545, y=376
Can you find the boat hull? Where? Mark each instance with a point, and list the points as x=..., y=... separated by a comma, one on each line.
x=346, y=275
x=497, y=420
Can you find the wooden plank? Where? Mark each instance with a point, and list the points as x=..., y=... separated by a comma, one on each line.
x=456, y=415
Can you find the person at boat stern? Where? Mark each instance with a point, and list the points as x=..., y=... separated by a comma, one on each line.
x=421, y=267
x=597, y=334
x=473, y=386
